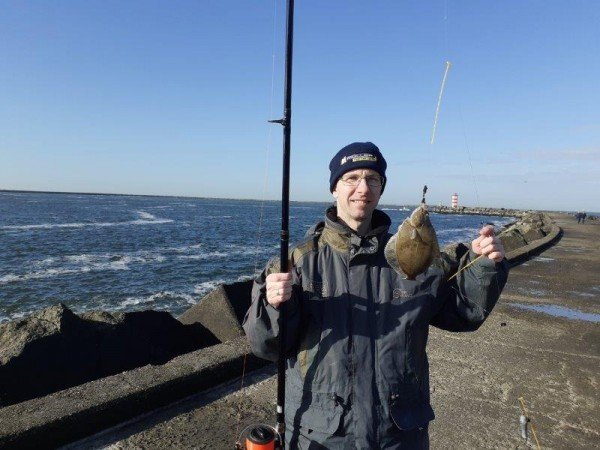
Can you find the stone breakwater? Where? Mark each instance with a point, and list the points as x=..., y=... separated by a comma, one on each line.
x=479, y=211
x=54, y=348
x=54, y=356
x=532, y=227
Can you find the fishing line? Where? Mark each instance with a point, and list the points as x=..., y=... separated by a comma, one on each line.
x=468, y=153
x=269, y=140
x=439, y=102
x=525, y=420
x=433, y=135
x=243, y=397
x=446, y=26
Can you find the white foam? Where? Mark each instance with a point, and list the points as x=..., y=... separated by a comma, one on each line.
x=207, y=286
x=249, y=250
x=215, y=254
x=184, y=248
x=146, y=216
x=11, y=278
x=16, y=315
x=247, y=277
x=149, y=222
x=458, y=231
x=87, y=262
x=45, y=262
x=159, y=296
x=146, y=219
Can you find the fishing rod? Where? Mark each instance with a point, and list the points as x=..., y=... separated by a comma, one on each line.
x=286, y=121
x=263, y=436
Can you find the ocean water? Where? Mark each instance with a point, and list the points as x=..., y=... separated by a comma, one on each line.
x=127, y=253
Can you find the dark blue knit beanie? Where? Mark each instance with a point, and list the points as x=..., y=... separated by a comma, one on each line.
x=358, y=155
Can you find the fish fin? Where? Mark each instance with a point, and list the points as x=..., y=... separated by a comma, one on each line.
x=390, y=254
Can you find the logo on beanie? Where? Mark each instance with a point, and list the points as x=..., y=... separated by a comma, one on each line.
x=358, y=158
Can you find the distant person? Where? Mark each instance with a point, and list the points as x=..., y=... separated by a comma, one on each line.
x=578, y=217
x=357, y=373
x=583, y=216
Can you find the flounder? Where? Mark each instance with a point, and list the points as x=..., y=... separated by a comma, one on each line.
x=414, y=247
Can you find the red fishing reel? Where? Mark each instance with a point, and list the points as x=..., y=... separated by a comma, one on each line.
x=259, y=437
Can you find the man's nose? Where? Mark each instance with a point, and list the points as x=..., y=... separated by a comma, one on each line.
x=362, y=185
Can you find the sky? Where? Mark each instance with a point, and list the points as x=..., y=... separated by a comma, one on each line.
x=173, y=98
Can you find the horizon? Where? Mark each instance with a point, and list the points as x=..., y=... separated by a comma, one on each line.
x=173, y=99
x=268, y=200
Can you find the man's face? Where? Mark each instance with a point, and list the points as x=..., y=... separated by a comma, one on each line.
x=355, y=204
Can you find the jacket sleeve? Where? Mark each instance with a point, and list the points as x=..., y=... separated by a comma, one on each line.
x=468, y=299
x=261, y=323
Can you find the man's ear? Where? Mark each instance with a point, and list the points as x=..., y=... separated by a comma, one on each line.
x=335, y=193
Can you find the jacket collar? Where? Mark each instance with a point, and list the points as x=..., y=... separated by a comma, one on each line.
x=340, y=236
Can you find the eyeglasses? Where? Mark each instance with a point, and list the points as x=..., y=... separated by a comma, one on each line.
x=374, y=181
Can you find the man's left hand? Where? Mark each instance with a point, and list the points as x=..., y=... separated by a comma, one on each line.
x=488, y=244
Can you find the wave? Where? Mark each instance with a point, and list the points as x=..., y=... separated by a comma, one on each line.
x=146, y=216
x=96, y=262
x=215, y=254
x=163, y=296
x=250, y=250
x=183, y=248
x=215, y=217
x=11, y=278
x=115, y=261
x=458, y=231
x=145, y=219
x=76, y=264
x=207, y=286
x=16, y=315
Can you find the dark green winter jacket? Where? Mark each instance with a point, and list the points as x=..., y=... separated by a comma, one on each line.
x=357, y=371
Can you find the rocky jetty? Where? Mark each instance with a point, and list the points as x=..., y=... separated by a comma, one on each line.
x=478, y=211
x=54, y=348
x=531, y=227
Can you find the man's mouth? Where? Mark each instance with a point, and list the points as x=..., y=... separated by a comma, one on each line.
x=360, y=202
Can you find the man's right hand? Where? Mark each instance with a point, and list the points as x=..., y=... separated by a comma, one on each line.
x=279, y=288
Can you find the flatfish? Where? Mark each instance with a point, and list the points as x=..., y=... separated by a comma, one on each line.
x=414, y=247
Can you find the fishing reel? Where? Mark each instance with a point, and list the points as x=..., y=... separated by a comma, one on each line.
x=259, y=437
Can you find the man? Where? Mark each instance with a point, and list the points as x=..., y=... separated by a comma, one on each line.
x=357, y=373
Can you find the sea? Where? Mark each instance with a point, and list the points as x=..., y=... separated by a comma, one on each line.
x=131, y=253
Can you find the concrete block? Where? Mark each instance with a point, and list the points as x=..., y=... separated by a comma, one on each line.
x=222, y=310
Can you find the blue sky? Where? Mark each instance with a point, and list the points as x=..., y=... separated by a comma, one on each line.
x=172, y=98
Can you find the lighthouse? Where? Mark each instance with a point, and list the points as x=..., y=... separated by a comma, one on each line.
x=455, y=200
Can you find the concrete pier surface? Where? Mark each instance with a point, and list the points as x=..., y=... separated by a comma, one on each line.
x=476, y=378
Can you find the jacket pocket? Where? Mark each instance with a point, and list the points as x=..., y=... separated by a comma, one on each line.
x=316, y=411
x=408, y=410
